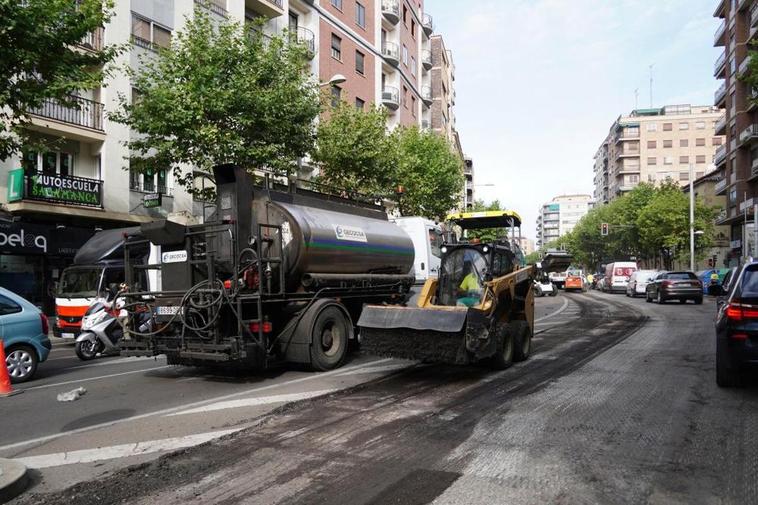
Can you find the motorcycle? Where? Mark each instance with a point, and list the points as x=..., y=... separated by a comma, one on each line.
x=101, y=326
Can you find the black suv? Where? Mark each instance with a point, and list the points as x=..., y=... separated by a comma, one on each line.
x=737, y=325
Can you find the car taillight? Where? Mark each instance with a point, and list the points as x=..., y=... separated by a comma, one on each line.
x=43, y=320
x=737, y=312
x=666, y=283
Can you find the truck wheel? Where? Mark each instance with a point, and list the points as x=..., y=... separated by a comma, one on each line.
x=727, y=375
x=330, y=330
x=503, y=358
x=522, y=345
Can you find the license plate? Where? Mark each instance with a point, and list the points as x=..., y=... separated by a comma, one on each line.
x=166, y=310
x=67, y=335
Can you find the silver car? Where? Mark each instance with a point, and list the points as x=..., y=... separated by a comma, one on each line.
x=638, y=282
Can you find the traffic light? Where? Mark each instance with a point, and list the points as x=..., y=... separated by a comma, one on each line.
x=604, y=229
x=710, y=263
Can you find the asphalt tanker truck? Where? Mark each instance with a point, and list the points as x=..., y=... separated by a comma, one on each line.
x=278, y=274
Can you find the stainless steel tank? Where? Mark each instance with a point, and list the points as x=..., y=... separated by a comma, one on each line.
x=329, y=241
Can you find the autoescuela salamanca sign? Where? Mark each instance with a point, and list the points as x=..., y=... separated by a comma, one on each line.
x=59, y=189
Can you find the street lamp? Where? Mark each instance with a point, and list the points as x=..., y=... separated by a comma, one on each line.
x=336, y=79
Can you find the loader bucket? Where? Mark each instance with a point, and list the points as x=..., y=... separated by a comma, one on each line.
x=426, y=334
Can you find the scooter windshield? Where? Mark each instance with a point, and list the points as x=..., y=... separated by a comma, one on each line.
x=95, y=307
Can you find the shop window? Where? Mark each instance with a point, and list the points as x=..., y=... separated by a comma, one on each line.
x=50, y=162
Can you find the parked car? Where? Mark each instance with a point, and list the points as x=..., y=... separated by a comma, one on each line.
x=737, y=326
x=680, y=286
x=638, y=282
x=23, y=330
x=617, y=276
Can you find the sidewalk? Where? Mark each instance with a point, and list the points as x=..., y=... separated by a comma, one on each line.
x=13, y=479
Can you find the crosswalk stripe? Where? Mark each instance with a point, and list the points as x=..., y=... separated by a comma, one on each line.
x=253, y=402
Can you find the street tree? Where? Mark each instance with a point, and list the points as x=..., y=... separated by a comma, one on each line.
x=429, y=172
x=222, y=93
x=354, y=150
x=41, y=59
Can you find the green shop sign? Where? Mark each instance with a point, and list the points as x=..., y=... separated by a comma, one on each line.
x=16, y=185
x=63, y=189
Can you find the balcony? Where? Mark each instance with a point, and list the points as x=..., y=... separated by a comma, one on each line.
x=426, y=59
x=427, y=23
x=391, y=11
x=93, y=41
x=391, y=53
x=214, y=7
x=721, y=217
x=308, y=39
x=743, y=66
x=754, y=170
x=720, y=155
x=754, y=15
x=391, y=97
x=81, y=119
x=719, y=97
x=720, y=186
x=718, y=37
x=426, y=95
x=267, y=8
x=721, y=125
x=720, y=66
x=748, y=135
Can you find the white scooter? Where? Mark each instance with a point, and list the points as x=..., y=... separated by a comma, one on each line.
x=101, y=326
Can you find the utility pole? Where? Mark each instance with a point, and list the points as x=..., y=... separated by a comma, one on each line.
x=692, y=221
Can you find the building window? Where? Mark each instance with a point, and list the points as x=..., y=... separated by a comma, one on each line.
x=405, y=15
x=359, y=104
x=50, y=162
x=684, y=159
x=413, y=65
x=337, y=4
x=716, y=141
x=336, y=47
x=700, y=158
x=667, y=127
x=651, y=144
x=359, y=62
x=336, y=95
x=684, y=176
x=413, y=106
x=700, y=125
x=668, y=160
x=652, y=160
x=651, y=127
x=700, y=142
x=360, y=15
x=684, y=126
x=405, y=55
x=148, y=34
x=667, y=143
x=684, y=143
x=413, y=28
x=405, y=97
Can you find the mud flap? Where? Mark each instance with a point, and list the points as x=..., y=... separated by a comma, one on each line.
x=426, y=334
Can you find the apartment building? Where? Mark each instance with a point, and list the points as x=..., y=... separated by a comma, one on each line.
x=737, y=159
x=441, y=91
x=559, y=216
x=653, y=145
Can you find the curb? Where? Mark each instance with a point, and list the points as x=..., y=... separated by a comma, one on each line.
x=13, y=479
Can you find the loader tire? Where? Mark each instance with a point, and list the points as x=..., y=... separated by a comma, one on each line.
x=522, y=340
x=503, y=358
x=330, y=330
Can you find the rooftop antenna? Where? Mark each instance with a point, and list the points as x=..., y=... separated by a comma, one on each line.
x=651, y=86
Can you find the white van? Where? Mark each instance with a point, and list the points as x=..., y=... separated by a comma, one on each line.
x=638, y=282
x=617, y=276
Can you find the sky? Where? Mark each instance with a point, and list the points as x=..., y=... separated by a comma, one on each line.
x=539, y=83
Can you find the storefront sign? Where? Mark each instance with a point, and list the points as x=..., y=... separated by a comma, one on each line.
x=31, y=238
x=152, y=200
x=15, y=185
x=64, y=189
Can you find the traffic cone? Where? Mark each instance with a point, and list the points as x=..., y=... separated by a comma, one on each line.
x=5, y=379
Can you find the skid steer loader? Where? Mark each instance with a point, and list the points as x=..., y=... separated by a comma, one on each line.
x=481, y=307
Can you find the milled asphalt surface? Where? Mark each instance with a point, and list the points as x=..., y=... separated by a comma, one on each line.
x=618, y=405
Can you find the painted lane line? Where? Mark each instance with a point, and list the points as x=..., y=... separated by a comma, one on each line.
x=119, y=361
x=552, y=314
x=378, y=369
x=121, y=451
x=76, y=381
x=254, y=402
x=161, y=412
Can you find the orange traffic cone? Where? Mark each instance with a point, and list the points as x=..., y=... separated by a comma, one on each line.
x=5, y=379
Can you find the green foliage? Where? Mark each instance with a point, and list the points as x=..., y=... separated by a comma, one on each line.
x=430, y=173
x=354, y=150
x=647, y=223
x=222, y=93
x=533, y=257
x=39, y=59
x=486, y=234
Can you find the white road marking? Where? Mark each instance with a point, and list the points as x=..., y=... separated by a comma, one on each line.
x=121, y=451
x=552, y=314
x=119, y=361
x=252, y=402
x=377, y=369
x=161, y=412
x=142, y=370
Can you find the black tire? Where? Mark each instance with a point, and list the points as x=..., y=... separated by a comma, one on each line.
x=699, y=301
x=554, y=292
x=87, y=350
x=682, y=301
x=503, y=358
x=727, y=375
x=522, y=344
x=659, y=299
x=330, y=330
x=647, y=297
x=21, y=361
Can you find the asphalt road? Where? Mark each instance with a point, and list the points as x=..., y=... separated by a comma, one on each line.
x=137, y=409
x=617, y=405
